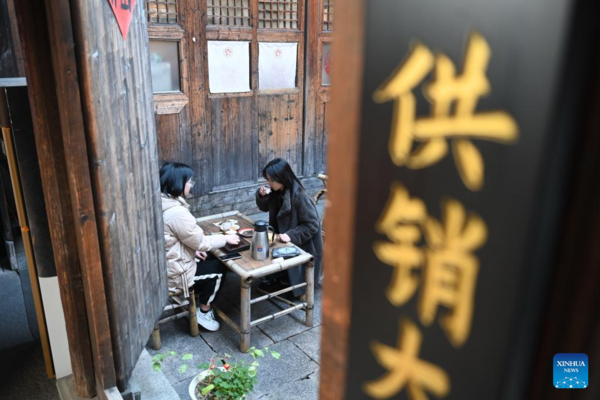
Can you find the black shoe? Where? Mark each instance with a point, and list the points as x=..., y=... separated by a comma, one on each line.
x=270, y=285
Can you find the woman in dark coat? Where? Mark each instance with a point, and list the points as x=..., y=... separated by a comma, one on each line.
x=293, y=216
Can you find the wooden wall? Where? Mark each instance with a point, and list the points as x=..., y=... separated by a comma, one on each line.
x=96, y=137
x=228, y=138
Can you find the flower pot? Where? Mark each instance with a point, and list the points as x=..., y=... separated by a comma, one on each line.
x=199, y=378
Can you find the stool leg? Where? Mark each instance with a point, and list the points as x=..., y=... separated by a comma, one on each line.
x=193, y=317
x=309, y=271
x=156, y=338
x=245, y=316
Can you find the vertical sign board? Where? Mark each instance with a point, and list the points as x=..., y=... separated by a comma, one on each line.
x=456, y=113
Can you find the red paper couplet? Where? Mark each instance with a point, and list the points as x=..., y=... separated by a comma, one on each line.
x=123, y=10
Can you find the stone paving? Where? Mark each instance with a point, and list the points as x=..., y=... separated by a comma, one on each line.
x=294, y=376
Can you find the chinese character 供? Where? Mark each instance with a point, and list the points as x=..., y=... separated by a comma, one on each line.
x=460, y=123
x=405, y=369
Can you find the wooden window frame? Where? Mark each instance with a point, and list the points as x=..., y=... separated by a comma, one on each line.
x=171, y=103
x=322, y=40
x=255, y=35
x=321, y=5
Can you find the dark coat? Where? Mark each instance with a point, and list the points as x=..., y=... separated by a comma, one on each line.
x=299, y=219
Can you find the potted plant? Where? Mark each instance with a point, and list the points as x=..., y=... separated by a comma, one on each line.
x=220, y=378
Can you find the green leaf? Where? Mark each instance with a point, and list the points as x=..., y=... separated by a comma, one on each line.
x=275, y=355
x=187, y=356
x=156, y=367
x=203, y=366
x=207, y=389
x=255, y=364
x=183, y=368
x=259, y=353
x=252, y=372
x=158, y=358
x=172, y=353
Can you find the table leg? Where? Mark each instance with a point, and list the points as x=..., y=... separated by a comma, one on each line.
x=194, y=330
x=245, y=316
x=309, y=271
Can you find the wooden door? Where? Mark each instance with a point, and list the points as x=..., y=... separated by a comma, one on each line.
x=318, y=82
x=247, y=129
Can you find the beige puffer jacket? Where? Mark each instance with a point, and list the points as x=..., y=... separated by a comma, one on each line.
x=183, y=237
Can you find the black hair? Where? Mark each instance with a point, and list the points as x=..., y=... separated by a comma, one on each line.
x=280, y=171
x=173, y=177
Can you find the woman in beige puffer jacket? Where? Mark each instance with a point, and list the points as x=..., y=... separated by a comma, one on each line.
x=185, y=240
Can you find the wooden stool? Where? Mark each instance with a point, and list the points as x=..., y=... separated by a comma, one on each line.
x=189, y=309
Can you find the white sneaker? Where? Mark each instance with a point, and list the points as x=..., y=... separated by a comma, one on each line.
x=207, y=320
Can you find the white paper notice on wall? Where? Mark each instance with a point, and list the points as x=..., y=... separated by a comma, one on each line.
x=277, y=65
x=228, y=67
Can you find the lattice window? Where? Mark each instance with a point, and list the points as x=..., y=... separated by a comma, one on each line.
x=162, y=11
x=278, y=14
x=327, y=15
x=228, y=12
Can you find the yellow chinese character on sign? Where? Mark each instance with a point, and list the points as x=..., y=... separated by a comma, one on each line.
x=459, y=123
x=451, y=271
x=449, y=268
x=406, y=369
x=401, y=221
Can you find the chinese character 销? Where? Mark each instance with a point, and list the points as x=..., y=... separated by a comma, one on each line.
x=449, y=268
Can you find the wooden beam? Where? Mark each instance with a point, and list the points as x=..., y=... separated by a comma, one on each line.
x=60, y=32
x=31, y=17
x=342, y=192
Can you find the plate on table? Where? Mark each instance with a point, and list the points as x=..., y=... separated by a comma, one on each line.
x=246, y=232
x=230, y=227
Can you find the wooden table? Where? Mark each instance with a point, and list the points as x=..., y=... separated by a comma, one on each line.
x=249, y=269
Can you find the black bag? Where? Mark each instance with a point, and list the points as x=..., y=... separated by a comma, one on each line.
x=286, y=252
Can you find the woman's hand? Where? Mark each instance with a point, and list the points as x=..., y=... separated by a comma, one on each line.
x=263, y=191
x=201, y=255
x=232, y=239
x=284, y=238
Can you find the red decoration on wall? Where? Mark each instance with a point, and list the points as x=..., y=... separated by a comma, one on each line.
x=123, y=10
x=328, y=62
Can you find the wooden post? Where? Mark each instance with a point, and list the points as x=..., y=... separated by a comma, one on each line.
x=309, y=271
x=80, y=188
x=194, y=330
x=245, y=315
x=31, y=16
x=342, y=189
x=156, y=338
